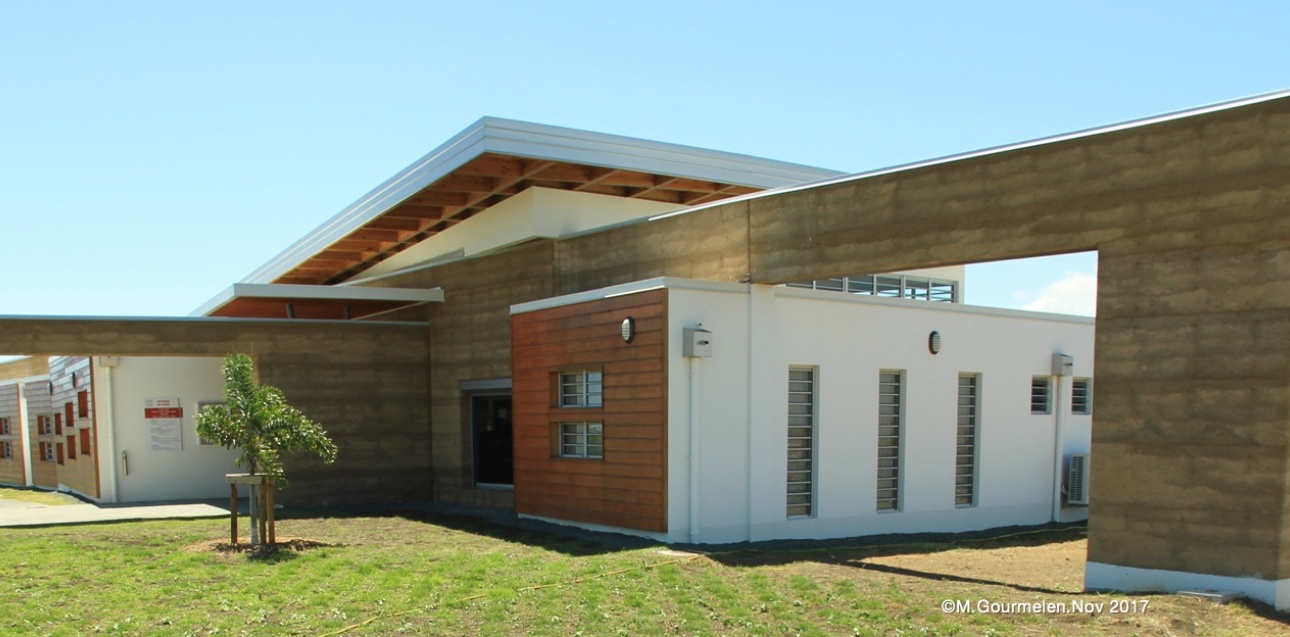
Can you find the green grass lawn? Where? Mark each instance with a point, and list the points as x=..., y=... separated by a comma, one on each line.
x=460, y=576
x=37, y=497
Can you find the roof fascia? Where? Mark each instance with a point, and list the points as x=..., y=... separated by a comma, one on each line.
x=319, y=292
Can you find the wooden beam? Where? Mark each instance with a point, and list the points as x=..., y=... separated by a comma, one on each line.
x=376, y=234
x=488, y=165
x=465, y=183
x=571, y=172
x=315, y=263
x=364, y=245
x=395, y=223
x=693, y=185
x=631, y=179
x=433, y=196
x=341, y=255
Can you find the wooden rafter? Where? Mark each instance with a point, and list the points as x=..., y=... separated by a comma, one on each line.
x=483, y=182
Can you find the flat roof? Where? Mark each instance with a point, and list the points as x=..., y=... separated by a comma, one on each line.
x=319, y=302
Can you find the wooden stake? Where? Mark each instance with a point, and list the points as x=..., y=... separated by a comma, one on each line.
x=264, y=526
x=232, y=515
x=273, y=525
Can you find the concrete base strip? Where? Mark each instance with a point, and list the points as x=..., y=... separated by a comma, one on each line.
x=1127, y=579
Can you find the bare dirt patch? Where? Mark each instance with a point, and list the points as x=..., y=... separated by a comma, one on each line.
x=1056, y=567
x=285, y=547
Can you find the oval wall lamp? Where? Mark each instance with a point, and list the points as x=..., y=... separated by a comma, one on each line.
x=934, y=342
x=629, y=329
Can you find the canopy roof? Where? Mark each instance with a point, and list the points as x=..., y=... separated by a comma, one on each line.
x=251, y=300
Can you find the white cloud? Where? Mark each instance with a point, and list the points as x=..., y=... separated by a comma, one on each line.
x=1075, y=293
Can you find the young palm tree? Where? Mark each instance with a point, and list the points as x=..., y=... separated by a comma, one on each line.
x=257, y=420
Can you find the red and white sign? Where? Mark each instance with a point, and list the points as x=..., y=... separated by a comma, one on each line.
x=155, y=408
x=165, y=424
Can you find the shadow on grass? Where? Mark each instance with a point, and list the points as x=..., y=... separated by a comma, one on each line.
x=497, y=524
x=1266, y=611
x=845, y=550
x=856, y=552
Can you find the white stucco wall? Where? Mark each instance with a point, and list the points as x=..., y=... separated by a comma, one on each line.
x=758, y=332
x=195, y=472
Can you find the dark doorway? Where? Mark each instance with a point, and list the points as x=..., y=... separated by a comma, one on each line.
x=490, y=423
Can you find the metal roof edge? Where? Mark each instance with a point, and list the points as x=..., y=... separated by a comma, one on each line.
x=1040, y=141
x=992, y=150
x=623, y=289
x=202, y=319
x=445, y=158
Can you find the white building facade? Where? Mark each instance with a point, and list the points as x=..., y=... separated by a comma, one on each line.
x=821, y=414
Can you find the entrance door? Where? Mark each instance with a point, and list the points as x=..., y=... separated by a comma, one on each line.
x=490, y=419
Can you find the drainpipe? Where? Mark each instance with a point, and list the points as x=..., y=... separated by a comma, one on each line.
x=105, y=426
x=24, y=436
x=694, y=451
x=1062, y=367
x=1057, y=449
x=696, y=342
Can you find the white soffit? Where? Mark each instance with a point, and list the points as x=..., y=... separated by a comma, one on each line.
x=540, y=141
x=318, y=293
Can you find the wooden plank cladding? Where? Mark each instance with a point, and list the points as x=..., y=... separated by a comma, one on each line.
x=77, y=462
x=626, y=485
x=11, y=451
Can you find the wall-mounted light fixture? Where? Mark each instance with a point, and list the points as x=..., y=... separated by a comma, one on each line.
x=934, y=342
x=629, y=329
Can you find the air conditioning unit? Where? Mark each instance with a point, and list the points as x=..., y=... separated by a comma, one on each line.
x=1077, y=480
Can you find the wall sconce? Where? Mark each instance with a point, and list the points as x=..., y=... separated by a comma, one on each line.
x=629, y=329
x=934, y=343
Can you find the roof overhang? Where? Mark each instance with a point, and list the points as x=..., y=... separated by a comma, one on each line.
x=319, y=302
x=497, y=158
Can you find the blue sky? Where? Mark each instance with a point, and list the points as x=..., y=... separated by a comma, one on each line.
x=152, y=153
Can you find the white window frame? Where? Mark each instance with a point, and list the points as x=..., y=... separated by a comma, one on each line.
x=898, y=286
x=581, y=388
x=1041, y=389
x=47, y=452
x=802, y=429
x=967, y=442
x=891, y=415
x=4, y=427
x=1082, y=397
x=575, y=440
x=6, y=450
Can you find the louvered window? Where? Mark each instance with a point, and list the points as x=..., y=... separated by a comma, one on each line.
x=1041, y=395
x=801, y=442
x=1082, y=396
x=888, y=285
x=890, y=420
x=965, y=457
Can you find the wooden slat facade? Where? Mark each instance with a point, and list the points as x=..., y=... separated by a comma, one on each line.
x=78, y=469
x=628, y=486
x=11, y=467
x=39, y=410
